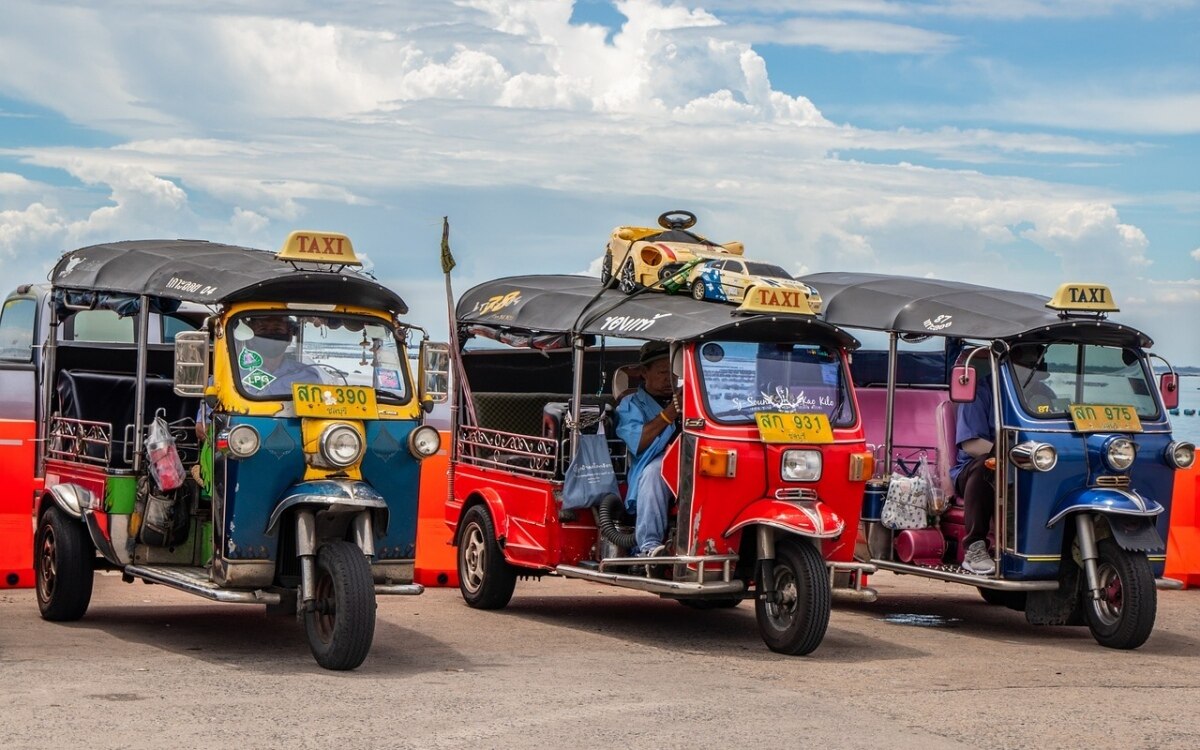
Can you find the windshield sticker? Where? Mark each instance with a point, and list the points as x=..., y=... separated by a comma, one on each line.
x=939, y=323
x=387, y=378
x=250, y=359
x=258, y=379
x=628, y=323
x=780, y=401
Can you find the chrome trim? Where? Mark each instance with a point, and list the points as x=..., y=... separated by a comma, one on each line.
x=195, y=581
x=1133, y=496
x=1111, y=480
x=412, y=445
x=507, y=451
x=821, y=533
x=241, y=427
x=1022, y=455
x=796, y=493
x=73, y=498
x=69, y=440
x=1168, y=584
x=968, y=578
x=653, y=585
x=139, y=387
x=327, y=435
x=1169, y=453
x=399, y=589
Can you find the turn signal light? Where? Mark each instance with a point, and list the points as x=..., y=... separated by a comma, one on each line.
x=718, y=462
x=862, y=466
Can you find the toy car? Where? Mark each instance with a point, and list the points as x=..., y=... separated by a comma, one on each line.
x=732, y=279
x=644, y=256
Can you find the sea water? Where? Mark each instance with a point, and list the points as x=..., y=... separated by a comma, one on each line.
x=1184, y=427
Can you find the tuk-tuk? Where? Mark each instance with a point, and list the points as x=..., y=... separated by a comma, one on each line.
x=766, y=465
x=270, y=456
x=1083, y=461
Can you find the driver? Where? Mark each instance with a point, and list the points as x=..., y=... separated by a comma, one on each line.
x=646, y=422
x=264, y=367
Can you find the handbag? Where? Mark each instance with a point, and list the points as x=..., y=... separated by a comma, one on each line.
x=907, y=503
x=590, y=477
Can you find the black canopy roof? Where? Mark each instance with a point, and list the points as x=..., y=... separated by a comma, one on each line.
x=209, y=273
x=563, y=304
x=906, y=304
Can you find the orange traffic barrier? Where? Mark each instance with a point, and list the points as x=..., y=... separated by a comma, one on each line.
x=437, y=563
x=17, y=441
x=1183, y=543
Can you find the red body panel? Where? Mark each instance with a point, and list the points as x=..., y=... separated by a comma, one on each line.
x=812, y=518
x=17, y=452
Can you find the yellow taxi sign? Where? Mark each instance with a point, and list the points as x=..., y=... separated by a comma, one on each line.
x=334, y=401
x=1105, y=418
x=1083, y=298
x=319, y=247
x=766, y=299
x=811, y=428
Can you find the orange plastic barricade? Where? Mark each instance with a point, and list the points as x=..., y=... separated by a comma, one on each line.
x=437, y=564
x=1183, y=542
x=16, y=503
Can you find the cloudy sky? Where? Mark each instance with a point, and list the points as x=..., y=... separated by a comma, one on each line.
x=1018, y=144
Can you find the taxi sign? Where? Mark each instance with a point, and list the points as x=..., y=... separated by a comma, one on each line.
x=1083, y=298
x=790, y=427
x=333, y=401
x=765, y=299
x=319, y=247
x=1105, y=418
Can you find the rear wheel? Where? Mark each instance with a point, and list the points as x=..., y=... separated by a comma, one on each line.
x=64, y=562
x=1124, y=615
x=485, y=578
x=606, y=269
x=797, y=623
x=341, y=625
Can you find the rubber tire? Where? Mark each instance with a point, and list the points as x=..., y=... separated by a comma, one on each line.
x=1139, y=599
x=497, y=578
x=707, y=604
x=69, y=592
x=1014, y=600
x=342, y=567
x=606, y=269
x=627, y=278
x=698, y=290
x=804, y=633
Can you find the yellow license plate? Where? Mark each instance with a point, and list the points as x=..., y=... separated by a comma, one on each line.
x=1105, y=418
x=332, y=401
x=783, y=427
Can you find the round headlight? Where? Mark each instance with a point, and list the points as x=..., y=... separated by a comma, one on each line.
x=243, y=441
x=801, y=466
x=1181, y=454
x=1119, y=453
x=341, y=445
x=424, y=441
x=1034, y=456
x=1045, y=457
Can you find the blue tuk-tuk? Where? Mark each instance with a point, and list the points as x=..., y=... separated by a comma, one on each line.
x=1082, y=462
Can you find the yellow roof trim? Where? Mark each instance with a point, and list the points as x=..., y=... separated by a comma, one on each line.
x=1083, y=297
x=319, y=247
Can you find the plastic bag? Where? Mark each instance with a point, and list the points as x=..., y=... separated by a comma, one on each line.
x=908, y=501
x=165, y=466
x=590, y=477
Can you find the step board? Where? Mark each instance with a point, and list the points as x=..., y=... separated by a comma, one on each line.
x=195, y=580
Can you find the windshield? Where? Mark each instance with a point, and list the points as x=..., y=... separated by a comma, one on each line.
x=1051, y=378
x=766, y=269
x=274, y=350
x=743, y=378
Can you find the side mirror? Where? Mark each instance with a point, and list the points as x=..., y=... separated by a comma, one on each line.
x=191, y=363
x=962, y=384
x=434, y=377
x=1168, y=386
x=427, y=405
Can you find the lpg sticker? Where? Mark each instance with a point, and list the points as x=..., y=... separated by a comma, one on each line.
x=258, y=379
x=939, y=323
x=250, y=359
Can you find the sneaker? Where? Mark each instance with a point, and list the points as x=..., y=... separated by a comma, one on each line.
x=978, y=561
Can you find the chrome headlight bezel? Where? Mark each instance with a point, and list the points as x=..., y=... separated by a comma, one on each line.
x=1172, y=454
x=242, y=441
x=1034, y=456
x=326, y=447
x=801, y=465
x=1119, y=453
x=421, y=446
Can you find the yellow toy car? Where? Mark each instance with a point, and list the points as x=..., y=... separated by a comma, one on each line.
x=644, y=256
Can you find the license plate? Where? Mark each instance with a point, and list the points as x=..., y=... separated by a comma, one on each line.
x=784, y=427
x=1105, y=418
x=332, y=401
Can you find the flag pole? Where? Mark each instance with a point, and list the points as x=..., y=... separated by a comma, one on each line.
x=460, y=380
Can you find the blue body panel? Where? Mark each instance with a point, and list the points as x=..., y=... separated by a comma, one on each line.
x=390, y=468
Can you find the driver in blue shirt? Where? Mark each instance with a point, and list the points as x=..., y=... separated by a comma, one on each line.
x=646, y=422
x=264, y=368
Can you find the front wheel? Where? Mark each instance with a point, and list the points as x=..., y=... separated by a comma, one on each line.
x=698, y=290
x=797, y=623
x=341, y=624
x=485, y=578
x=606, y=269
x=1124, y=615
x=64, y=561
x=627, y=279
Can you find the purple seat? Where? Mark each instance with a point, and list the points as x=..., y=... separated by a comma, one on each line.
x=917, y=424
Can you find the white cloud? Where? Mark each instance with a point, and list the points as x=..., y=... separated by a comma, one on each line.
x=1196, y=254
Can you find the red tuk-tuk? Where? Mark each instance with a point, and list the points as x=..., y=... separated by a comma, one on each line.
x=767, y=466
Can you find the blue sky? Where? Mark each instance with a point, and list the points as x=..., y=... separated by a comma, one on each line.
x=1017, y=144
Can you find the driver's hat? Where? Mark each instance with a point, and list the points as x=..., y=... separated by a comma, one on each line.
x=653, y=350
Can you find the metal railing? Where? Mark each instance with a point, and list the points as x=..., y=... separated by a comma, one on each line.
x=495, y=449
x=80, y=441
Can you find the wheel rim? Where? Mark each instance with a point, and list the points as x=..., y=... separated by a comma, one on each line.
x=782, y=615
x=606, y=269
x=628, y=283
x=474, y=556
x=325, y=614
x=698, y=290
x=1108, y=607
x=47, y=565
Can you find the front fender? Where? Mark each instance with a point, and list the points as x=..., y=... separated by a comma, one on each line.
x=73, y=499
x=811, y=518
x=333, y=493
x=495, y=507
x=1104, y=500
